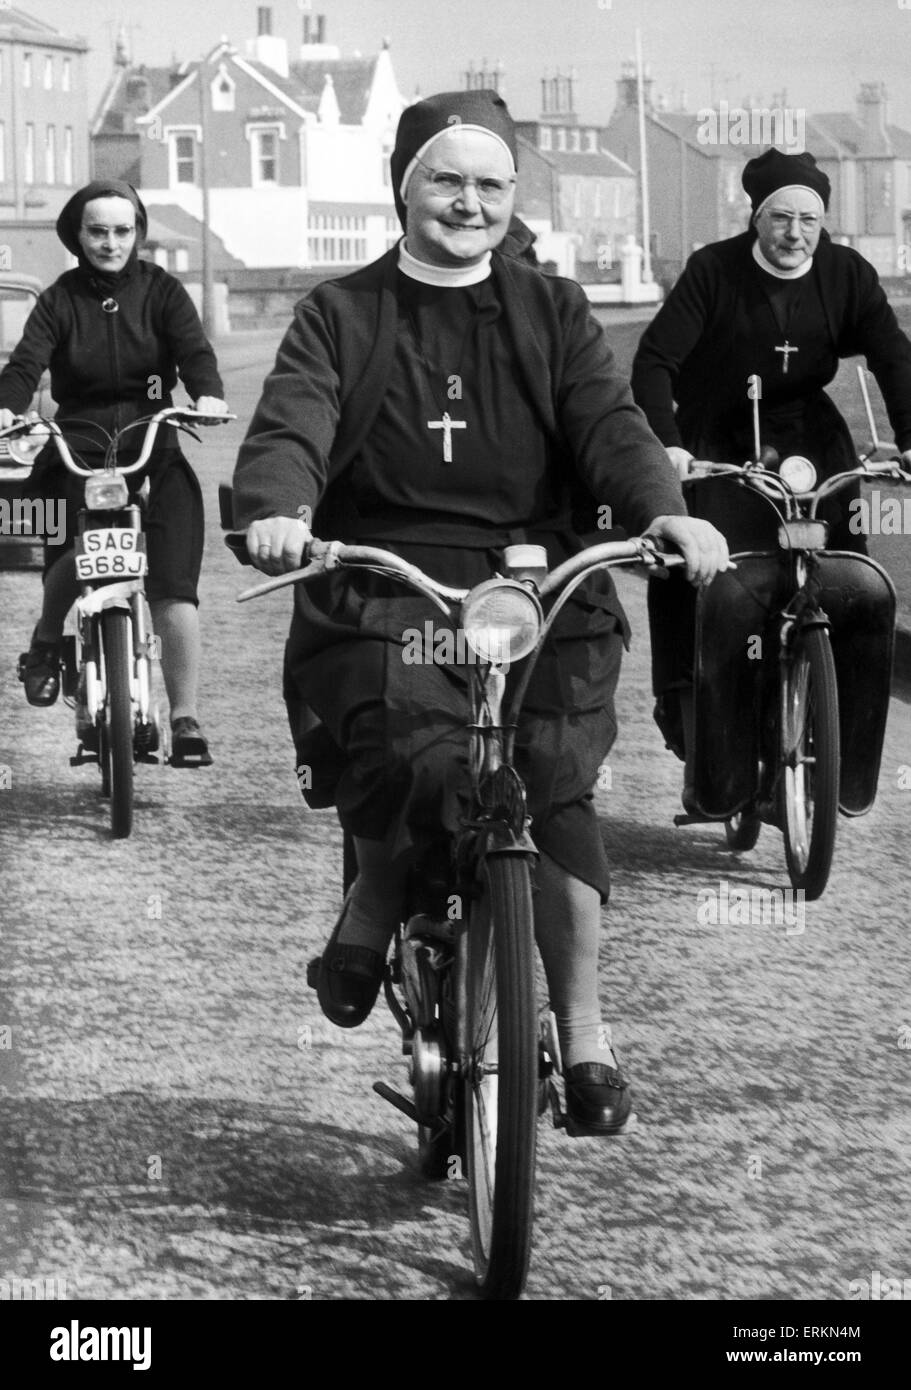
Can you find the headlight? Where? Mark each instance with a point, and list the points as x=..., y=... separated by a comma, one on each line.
x=24, y=448
x=105, y=492
x=798, y=473
x=501, y=621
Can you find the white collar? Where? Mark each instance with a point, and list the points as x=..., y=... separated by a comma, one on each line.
x=796, y=274
x=449, y=277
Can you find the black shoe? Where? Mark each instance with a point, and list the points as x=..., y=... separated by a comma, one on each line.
x=598, y=1099
x=39, y=671
x=188, y=745
x=348, y=979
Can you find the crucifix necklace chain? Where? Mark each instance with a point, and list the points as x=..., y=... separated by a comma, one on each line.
x=446, y=423
x=783, y=324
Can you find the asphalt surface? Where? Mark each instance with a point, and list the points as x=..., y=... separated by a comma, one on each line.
x=178, y=1121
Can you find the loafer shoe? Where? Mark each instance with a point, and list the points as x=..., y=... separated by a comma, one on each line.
x=39, y=671
x=188, y=745
x=348, y=980
x=598, y=1099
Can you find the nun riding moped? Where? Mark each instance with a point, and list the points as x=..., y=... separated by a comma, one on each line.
x=793, y=658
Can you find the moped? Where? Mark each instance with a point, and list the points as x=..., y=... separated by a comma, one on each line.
x=460, y=978
x=106, y=667
x=792, y=661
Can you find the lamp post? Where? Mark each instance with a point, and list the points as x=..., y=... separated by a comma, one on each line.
x=643, y=168
x=207, y=288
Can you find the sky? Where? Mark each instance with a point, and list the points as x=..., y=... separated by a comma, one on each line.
x=818, y=51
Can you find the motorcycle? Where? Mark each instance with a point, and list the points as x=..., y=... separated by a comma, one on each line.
x=106, y=668
x=460, y=980
x=792, y=663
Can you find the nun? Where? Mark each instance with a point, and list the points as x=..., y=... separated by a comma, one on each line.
x=116, y=332
x=444, y=402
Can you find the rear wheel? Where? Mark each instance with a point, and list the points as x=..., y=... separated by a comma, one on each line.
x=118, y=720
x=501, y=1085
x=811, y=756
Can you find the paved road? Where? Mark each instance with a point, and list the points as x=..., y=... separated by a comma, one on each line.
x=178, y=1121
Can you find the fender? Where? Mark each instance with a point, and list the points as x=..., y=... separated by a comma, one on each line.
x=111, y=596
x=859, y=597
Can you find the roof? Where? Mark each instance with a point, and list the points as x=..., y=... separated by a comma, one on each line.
x=352, y=80
x=136, y=90
x=131, y=92
x=170, y=225
x=847, y=131
x=16, y=24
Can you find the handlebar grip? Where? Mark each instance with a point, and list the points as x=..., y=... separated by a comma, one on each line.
x=236, y=541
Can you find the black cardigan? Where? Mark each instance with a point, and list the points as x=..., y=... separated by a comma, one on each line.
x=112, y=368
x=683, y=350
x=326, y=388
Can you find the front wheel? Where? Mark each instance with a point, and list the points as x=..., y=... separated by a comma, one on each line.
x=117, y=735
x=501, y=1085
x=811, y=757
x=742, y=830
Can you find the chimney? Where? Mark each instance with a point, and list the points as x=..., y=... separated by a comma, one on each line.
x=266, y=48
x=314, y=44
x=872, y=115
x=628, y=88
x=557, y=100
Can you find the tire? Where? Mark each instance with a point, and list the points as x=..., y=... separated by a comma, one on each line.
x=115, y=636
x=501, y=1084
x=742, y=830
x=812, y=763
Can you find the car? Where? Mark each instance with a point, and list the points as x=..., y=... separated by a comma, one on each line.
x=18, y=546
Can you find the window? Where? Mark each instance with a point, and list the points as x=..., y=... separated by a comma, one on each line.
x=577, y=198
x=264, y=144
x=26, y=69
x=2, y=151
x=29, y=153
x=222, y=89
x=592, y=137
x=345, y=250
x=50, y=154
x=66, y=75
x=68, y=155
x=183, y=156
x=576, y=145
x=48, y=73
x=561, y=140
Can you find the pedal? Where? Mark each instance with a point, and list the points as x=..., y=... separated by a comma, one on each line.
x=83, y=755
x=397, y=1099
x=313, y=972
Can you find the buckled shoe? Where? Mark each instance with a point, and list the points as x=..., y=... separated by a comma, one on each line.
x=598, y=1099
x=348, y=979
x=39, y=671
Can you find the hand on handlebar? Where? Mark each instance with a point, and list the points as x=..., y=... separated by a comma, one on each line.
x=8, y=418
x=276, y=543
x=210, y=405
x=681, y=459
x=702, y=546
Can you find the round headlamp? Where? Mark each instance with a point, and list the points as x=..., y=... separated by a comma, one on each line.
x=798, y=472
x=501, y=620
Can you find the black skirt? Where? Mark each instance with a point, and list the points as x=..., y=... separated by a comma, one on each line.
x=391, y=746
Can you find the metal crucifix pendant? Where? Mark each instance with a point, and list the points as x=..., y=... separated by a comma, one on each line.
x=787, y=350
x=447, y=425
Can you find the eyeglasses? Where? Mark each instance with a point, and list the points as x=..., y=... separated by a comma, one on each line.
x=447, y=184
x=781, y=220
x=102, y=233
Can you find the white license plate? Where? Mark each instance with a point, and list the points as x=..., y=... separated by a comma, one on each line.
x=111, y=553
x=803, y=535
